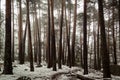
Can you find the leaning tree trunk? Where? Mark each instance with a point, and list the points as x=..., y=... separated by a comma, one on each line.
x=29, y=39
x=104, y=51
x=7, y=57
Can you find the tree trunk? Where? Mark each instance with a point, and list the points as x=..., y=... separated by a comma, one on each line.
x=23, y=41
x=68, y=40
x=48, y=38
x=104, y=51
x=29, y=39
x=119, y=23
x=113, y=36
x=20, y=34
x=85, y=52
x=53, y=46
x=98, y=49
x=7, y=57
x=38, y=36
x=74, y=35
x=60, y=41
x=12, y=50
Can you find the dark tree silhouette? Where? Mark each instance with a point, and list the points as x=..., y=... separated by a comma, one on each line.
x=104, y=51
x=85, y=53
x=7, y=57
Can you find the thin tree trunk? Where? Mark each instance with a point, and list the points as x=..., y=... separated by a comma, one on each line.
x=48, y=36
x=81, y=50
x=119, y=23
x=38, y=35
x=60, y=41
x=74, y=35
x=12, y=50
x=24, y=41
x=20, y=34
x=113, y=36
x=53, y=47
x=29, y=38
x=0, y=30
x=85, y=52
x=98, y=49
x=68, y=40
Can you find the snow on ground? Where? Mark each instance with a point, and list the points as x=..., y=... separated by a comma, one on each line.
x=43, y=73
x=40, y=73
x=97, y=75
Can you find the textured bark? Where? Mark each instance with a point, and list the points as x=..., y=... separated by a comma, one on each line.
x=7, y=57
x=104, y=51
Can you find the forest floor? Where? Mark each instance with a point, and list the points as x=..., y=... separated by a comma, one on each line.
x=43, y=73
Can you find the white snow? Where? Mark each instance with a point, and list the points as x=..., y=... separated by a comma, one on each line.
x=43, y=73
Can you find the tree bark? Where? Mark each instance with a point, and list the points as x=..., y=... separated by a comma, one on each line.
x=53, y=46
x=7, y=57
x=29, y=39
x=74, y=35
x=60, y=41
x=104, y=51
x=20, y=34
x=85, y=52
